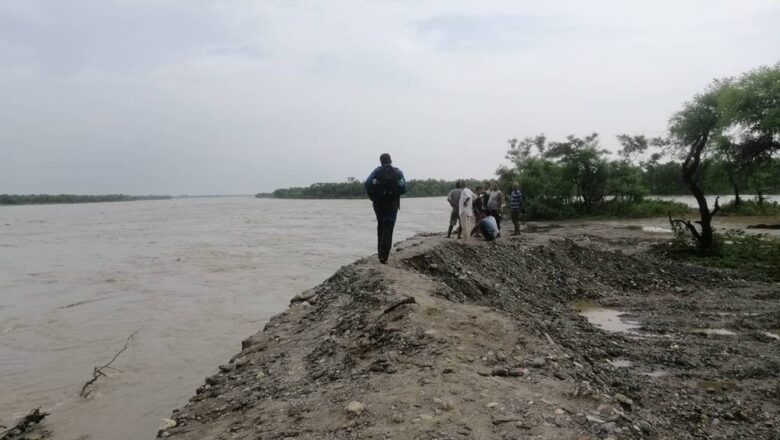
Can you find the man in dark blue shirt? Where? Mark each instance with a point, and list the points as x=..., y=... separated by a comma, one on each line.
x=384, y=187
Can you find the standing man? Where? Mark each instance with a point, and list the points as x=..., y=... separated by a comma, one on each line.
x=453, y=198
x=494, y=204
x=516, y=205
x=384, y=187
x=466, y=212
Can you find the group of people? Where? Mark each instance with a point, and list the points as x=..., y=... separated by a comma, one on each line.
x=476, y=213
x=480, y=212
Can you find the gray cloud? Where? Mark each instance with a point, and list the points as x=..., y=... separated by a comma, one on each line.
x=240, y=96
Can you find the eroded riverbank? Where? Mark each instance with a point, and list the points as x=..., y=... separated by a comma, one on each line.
x=488, y=340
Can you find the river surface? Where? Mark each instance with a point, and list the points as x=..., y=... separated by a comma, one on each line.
x=193, y=277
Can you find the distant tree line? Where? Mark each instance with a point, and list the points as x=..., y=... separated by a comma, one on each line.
x=541, y=171
x=353, y=189
x=43, y=199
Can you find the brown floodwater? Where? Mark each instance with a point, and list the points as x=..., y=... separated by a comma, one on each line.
x=192, y=276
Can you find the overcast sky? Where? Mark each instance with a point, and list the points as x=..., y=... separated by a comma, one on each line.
x=205, y=97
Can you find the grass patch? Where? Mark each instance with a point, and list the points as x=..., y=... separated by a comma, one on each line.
x=752, y=254
x=645, y=208
x=553, y=210
x=751, y=208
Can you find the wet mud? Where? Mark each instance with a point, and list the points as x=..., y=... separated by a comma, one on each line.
x=564, y=335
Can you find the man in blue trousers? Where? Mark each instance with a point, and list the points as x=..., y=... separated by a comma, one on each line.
x=384, y=187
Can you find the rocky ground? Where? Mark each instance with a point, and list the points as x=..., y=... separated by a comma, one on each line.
x=455, y=340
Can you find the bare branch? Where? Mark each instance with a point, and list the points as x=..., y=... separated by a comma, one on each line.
x=32, y=418
x=716, y=208
x=97, y=372
x=407, y=300
x=686, y=223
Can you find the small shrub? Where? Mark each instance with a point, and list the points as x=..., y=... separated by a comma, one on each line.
x=548, y=210
x=683, y=241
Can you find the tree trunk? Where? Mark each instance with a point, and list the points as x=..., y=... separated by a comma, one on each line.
x=705, y=237
x=737, y=199
x=689, y=168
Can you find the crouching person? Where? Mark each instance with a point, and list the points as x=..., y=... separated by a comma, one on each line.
x=487, y=227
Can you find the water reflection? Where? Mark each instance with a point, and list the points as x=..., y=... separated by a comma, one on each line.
x=610, y=320
x=712, y=331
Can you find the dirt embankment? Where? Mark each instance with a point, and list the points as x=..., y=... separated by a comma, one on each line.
x=485, y=341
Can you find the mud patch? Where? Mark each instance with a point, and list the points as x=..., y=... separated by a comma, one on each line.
x=516, y=338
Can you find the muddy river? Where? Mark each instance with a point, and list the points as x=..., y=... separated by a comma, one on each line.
x=192, y=276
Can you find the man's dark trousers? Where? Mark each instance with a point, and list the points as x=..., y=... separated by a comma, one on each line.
x=386, y=213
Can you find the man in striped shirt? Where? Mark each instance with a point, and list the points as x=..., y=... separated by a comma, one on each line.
x=516, y=205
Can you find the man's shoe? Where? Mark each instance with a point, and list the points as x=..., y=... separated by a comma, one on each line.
x=383, y=260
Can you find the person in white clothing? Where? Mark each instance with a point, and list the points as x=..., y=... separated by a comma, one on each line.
x=467, y=219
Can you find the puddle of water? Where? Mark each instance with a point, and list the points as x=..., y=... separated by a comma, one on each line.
x=657, y=373
x=716, y=386
x=604, y=318
x=656, y=229
x=621, y=363
x=712, y=331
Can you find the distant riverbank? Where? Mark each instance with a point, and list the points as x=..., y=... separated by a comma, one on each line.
x=49, y=199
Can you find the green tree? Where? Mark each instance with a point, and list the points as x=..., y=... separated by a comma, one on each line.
x=690, y=131
x=584, y=165
x=740, y=119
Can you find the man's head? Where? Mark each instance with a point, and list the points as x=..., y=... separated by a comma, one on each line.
x=479, y=190
x=515, y=186
x=494, y=185
x=459, y=184
x=384, y=159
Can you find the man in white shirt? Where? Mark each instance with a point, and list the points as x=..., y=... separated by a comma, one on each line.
x=466, y=212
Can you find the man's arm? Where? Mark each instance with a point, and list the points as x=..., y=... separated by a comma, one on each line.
x=468, y=197
x=401, y=182
x=369, y=182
